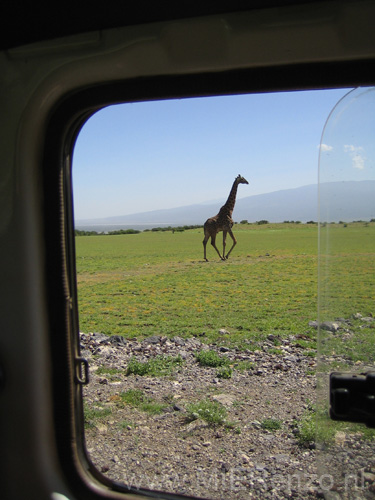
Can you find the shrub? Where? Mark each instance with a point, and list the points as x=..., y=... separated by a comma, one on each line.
x=137, y=399
x=271, y=424
x=211, y=412
x=97, y=413
x=210, y=358
x=156, y=367
x=307, y=427
x=224, y=372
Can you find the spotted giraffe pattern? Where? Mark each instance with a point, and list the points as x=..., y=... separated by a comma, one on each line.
x=223, y=221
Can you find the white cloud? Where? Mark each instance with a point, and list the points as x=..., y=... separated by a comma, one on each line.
x=349, y=148
x=358, y=160
x=325, y=147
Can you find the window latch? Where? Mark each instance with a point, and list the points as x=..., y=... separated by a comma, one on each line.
x=352, y=397
x=82, y=371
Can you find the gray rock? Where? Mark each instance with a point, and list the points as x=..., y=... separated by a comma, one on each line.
x=224, y=349
x=179, y=341
x=117, y=339
x=154, y=339
x=368, y=319
x=330, y=326
x=223, y=331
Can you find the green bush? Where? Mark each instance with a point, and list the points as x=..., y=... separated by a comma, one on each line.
x=159, y=366
x=210, y=358
x=307, y=427
x=224, y=372
x=137, y=399
x=211, y=412
x=271, y=424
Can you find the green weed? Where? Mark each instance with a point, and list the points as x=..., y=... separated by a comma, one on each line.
x=211, y=412
x=271, y=424
x=273, y=350
x=133, y=397
x=94, y=414
x=127, y=424
x=105, y=370
x=137, y=399
x=244, y=366
x=160, y=366
x=224, y=372
x=306, y=427
x=210, y=358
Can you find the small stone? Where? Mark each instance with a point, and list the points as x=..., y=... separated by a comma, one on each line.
x=368, y=477
x=330, y=326
x=154, y=339
x=225, y=467
x=101, y=428
x=117, y=339
x=178, y=408
x=224, y=349
x=340, y=438
x=178, y=341
x=223, y=331
x=224, y=399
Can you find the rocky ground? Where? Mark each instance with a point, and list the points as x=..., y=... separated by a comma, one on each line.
x=257, y=453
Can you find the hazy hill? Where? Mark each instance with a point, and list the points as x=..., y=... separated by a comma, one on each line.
x=344, y=201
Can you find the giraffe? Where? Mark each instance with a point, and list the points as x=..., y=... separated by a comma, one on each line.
x=223, y=221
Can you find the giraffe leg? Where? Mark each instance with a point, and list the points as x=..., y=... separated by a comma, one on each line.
x=204, y=247
x=234, y=242
x=224, y=240
x=213, y=238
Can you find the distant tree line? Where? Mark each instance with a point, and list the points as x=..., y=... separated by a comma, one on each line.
x=79, y=232
x=179, y=229
x=264, y=221
x=125, y=231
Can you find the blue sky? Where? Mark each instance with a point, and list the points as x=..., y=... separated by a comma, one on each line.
x=139, y=157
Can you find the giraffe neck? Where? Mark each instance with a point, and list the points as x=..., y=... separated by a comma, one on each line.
x=229, y=205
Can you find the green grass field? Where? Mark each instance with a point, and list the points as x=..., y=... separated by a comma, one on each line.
x=156, y=283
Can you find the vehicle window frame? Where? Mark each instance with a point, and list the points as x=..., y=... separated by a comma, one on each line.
x=65, y=122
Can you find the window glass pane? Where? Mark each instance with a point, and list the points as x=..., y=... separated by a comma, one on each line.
x=346, y=286
x=202, y=373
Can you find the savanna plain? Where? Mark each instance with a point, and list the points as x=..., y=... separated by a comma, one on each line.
x=250, y=318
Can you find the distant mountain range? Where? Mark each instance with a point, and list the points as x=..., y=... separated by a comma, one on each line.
x=340, y=201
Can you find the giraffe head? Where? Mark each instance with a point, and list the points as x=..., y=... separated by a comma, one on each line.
x=241, y=180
